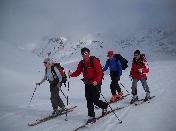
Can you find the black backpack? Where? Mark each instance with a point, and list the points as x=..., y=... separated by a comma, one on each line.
x=123, y=61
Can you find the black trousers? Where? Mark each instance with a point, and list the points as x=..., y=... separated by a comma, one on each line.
x=92, y=95
x=114, y=86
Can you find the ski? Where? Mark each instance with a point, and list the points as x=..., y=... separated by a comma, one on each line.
x=141, y=101
x=97, y=118
x=49, y=117
x=110, y=102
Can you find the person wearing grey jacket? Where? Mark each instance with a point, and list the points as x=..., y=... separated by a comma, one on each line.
x=54, y=77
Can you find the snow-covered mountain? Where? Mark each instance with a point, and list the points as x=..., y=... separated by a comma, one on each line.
x=155, y=41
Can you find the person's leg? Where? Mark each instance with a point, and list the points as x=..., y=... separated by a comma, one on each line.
x=60, y=102
x=134, y=91
x=88, y=95
x=134, y=87
x=119, y=92
x=55, y=98
x=113, y=84
x=145, y=85
x=146, y=88
x=96, y=98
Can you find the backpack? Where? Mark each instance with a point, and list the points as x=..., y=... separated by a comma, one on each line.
x=61, y=70
x=142, y=59
x=123, y=61
x=92, y=65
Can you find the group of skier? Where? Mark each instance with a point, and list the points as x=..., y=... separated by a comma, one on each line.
x=92, y=72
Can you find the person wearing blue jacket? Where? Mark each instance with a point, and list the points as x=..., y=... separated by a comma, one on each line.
x=115, y=72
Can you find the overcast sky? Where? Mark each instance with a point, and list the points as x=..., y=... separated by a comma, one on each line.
x=27, y=21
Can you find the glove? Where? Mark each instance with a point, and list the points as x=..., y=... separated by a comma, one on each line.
x=95, y=83
x=140, y=71
x=130, y=77
x=69, y=73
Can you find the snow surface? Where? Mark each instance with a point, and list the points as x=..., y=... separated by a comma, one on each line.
x=20, y=70
x=29, y=30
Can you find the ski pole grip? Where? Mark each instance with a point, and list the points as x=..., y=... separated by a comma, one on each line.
x=69, y=72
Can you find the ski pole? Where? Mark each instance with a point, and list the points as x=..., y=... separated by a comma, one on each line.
x=67, y=98
x=64, y=95
x=32, y=95
x=124, y=87
x=111, y=109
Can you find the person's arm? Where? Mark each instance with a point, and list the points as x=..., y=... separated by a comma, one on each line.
x=43, y=80
x=78, y=70
x=132, y=70
x=98, y=71
x=106, y=65
x=58, y=74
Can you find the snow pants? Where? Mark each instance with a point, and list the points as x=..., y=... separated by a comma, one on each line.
x=134, y=86
x=92, y=95
x=55, y=98
x=114, y=86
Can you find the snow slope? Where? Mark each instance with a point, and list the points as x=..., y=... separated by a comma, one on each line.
x=19, y=71
x=60, y=28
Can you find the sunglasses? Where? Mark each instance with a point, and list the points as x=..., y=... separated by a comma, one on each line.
x=85, y=53
x=135, y=55
x=45, y=62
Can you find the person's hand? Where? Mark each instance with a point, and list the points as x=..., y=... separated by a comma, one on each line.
x=69, y=73
x=130, y=77
x=95, y=83
x=140, y=71
x=38, y=84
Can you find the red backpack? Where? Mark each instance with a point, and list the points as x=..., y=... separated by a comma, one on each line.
x=61, y=70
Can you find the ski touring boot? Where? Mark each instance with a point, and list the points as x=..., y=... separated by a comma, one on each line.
x=147, y=97
x=134, y=99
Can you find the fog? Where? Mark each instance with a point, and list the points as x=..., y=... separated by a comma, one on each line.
x=24, y=22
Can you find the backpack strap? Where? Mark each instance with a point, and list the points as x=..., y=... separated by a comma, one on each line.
x=83, y=68
x=53, y=72
x=109, y=63
x=91, y=63
x=46, y=73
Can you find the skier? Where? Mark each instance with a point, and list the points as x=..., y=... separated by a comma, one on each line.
x=54, y=77
x=115, y=73
x=138, y=72
x=92, y=75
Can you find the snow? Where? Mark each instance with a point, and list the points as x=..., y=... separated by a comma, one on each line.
x=18, y=83
x=31, y=30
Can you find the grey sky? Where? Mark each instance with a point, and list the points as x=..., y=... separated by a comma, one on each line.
x=25, y=21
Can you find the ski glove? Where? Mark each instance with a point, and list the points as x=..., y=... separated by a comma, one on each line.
x=140, y=71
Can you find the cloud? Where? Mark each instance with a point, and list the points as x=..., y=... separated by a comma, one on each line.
x=29, y=21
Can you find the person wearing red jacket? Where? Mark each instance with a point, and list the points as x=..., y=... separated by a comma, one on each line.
x=139, y=71
x=92, y=76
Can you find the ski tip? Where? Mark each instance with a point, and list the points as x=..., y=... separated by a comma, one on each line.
x=120, y=122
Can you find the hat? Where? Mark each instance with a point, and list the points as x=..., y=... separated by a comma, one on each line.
x=110, y=53
x=137, y=52
x=47, y=60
